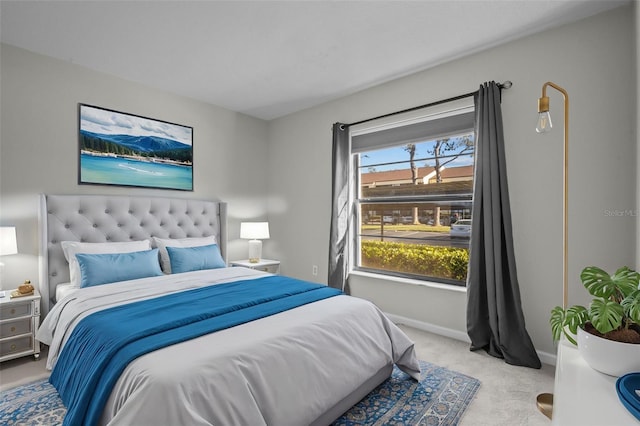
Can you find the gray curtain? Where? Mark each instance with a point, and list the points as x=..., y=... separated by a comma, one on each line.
x=495, y=321
x=340, y=211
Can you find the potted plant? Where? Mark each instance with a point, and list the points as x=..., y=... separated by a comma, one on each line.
x=609, y=330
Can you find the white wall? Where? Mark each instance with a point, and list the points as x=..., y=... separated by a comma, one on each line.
x=39, y=147
x=594, y=60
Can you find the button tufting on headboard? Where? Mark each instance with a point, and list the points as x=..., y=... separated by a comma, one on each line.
x=98, y=218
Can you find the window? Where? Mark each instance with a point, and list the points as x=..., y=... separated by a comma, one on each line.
x=414, y=191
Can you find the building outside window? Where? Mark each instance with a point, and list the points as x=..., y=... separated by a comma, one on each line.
x=413, y=197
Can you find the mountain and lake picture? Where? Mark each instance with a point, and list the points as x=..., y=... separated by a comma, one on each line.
x=129, y=150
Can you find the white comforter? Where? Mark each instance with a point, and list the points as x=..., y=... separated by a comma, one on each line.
x=286, y=369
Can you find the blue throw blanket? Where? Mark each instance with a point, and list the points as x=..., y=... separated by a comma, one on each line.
x=104, y=343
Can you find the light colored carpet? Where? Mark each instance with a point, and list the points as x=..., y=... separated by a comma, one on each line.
x=23, y=370
x=506, y=396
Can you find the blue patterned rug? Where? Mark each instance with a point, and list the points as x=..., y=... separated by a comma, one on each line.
x=440, y=398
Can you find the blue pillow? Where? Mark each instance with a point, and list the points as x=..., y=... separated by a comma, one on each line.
x=185, y=259
x=104, y=268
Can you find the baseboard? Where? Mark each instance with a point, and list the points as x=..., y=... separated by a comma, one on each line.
x=431, y=328
x=545, y=357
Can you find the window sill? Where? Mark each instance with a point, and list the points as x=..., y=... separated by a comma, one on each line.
x=431, y=284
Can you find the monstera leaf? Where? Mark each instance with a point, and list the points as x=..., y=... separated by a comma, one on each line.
x=616, y=304
x=606, y=315
x=600, y=284
x=557, y=322
x=631, y=305
x=572, y=318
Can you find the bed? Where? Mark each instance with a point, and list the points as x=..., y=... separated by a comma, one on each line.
x=304, y=363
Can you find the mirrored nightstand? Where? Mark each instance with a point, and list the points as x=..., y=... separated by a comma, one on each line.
x=19, y=321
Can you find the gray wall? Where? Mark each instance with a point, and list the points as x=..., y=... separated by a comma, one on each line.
x=595, y=61
x=39, y=147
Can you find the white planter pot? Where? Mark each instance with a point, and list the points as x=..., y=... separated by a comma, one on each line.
x=607, y=356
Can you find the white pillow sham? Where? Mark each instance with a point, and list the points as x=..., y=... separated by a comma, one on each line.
x=71, y=248
x=163, y=243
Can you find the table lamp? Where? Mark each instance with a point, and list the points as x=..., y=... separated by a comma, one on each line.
x=8, y=241
x=254, y=232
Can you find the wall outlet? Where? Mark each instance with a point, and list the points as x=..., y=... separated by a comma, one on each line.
x=314, y=270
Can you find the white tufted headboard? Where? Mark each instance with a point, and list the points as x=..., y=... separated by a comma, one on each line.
x=106, y=218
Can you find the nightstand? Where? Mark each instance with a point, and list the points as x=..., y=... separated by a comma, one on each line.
x=19, y=321
x=266, y=265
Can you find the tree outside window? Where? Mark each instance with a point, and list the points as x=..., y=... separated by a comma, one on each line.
x=411, y=195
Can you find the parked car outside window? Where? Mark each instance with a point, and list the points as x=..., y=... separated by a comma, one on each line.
x=461, y=229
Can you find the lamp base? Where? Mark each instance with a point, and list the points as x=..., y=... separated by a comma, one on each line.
x=255, y=251
x=544, y=401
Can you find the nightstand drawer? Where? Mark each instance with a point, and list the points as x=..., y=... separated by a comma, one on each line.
x=15, y=310
x=273, y=269
x=19, y=344
x=15, y=328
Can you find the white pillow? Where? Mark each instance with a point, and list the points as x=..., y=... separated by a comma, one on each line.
x=71, y=248
x=163, y=243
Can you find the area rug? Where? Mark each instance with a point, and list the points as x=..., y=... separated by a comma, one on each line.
x=440, y=398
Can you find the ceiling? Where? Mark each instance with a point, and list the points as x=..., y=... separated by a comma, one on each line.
x=268, y=59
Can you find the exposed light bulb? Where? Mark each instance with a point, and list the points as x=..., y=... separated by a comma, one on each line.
x=544, y=118
x=544, y=122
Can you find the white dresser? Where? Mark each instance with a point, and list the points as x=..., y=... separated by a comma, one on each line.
x=583, y=396
x=19, y=321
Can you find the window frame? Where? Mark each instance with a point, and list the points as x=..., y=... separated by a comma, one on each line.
x=457, y=107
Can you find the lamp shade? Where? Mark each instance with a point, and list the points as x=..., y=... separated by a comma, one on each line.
x=8, y=242
x=254, y=230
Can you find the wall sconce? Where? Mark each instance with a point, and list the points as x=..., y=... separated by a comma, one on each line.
x=8, y=241
x=254, y=232
x=545, y=400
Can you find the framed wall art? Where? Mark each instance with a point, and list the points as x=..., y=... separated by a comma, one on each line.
x=117, y=148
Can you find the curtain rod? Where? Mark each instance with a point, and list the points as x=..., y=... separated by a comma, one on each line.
x=506, y=85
